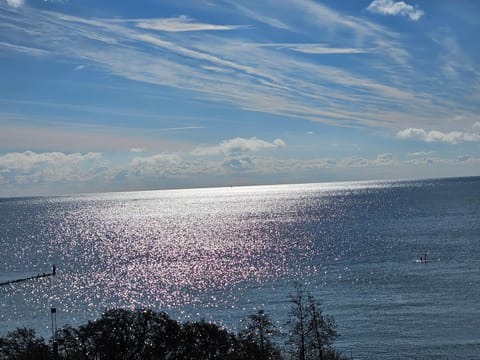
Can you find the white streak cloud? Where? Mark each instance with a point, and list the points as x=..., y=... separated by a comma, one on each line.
x=28, y=50
x=317, y=49
x=390, y=7
x=420, y=153
x=181, y=24
x=245, y=74
x=255, y=15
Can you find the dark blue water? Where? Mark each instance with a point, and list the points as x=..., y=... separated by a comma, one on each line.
x=222, y=253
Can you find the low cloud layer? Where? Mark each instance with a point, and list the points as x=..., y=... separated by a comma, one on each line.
x=239, y=146
x=29, y=167
x=452, y=137
x=55, y=172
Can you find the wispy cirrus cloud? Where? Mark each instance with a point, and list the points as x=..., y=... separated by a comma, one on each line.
x=316, y=48
x=278, y=84
x=181, y=24
x=390, y=7
x=258, y=16
x=247, y=74
x=26, y=50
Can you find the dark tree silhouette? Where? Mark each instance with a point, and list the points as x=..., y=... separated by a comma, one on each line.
x=148, y=335
x=311, y=333
x=298, y=323
x=321, y=330
x=22, y=344
x=260, y=330
x=122, y=334
x=203, y=340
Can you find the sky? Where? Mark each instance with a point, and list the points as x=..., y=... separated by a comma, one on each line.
x=114, y=95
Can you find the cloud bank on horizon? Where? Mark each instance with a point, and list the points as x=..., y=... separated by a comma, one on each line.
x=122, y=96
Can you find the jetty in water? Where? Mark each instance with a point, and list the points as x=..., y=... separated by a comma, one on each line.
x=38, y=276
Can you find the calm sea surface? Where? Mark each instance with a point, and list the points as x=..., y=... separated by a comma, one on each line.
x=222, y=253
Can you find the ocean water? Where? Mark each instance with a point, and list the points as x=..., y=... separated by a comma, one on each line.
x=222, y=253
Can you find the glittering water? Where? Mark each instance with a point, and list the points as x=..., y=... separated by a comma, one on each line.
x=222, y=253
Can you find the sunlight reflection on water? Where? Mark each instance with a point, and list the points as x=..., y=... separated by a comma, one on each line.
x=165, y=249
x=168, y=249
x=206, y=252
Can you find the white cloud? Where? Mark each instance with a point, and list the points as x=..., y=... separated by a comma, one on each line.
x=164, y=164
x=230, y=156
x=15, y=3
x=360, y=162
x=238, y=146
x=29, y=159
x=181, y=24
x=390, y=7
x=138, y=149
x=167, y=166
x=239, y=164
x=383, y=160
x=420, y=153
x=57, y=172
x=455, y=61
x=250, y=76
x=316, y=48
x=262, y=18
x=31, y=167
x=79, y=67
x=28, y=50
x=452, y=137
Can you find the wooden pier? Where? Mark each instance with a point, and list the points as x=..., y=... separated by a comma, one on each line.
x=38, y=276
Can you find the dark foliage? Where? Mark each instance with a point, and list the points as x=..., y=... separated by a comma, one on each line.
x=148, y=335
x=121, y=334
x=311, y=332
x=22, y=344
x=260, y=332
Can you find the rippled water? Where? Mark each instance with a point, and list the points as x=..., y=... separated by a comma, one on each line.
x=221, y=253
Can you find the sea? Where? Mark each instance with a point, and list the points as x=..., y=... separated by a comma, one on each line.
x=221, y=254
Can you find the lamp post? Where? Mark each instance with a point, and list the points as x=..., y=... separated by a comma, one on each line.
x=53, y=312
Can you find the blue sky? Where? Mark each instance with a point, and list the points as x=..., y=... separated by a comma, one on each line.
x=148, y=94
